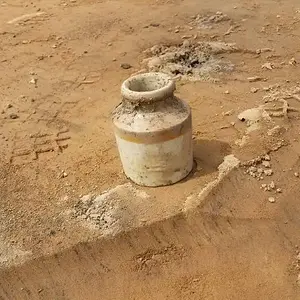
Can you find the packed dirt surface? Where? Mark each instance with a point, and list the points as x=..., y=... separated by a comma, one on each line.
x=73, y=227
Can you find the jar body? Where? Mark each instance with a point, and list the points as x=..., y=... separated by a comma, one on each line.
x=155, y=140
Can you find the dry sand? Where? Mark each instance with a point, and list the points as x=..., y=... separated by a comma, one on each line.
x=227, y=233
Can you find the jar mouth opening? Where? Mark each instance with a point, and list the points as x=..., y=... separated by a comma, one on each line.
x=147, y=87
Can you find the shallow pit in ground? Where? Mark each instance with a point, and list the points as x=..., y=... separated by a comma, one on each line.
x=202, y=61
x=233, y=245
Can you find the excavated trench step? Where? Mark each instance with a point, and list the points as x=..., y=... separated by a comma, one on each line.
x=229, y=247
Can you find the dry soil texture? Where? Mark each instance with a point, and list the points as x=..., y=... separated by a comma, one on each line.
x=62, y=63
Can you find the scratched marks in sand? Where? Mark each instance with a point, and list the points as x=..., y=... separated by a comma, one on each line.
x=27, y=149
x=53, y=109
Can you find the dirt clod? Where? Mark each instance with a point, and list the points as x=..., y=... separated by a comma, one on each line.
x=210, y=20
x=268, y=172
x=266, y=164
x=268, y=66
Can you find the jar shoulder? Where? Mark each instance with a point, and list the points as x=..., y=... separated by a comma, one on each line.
x=152, y=117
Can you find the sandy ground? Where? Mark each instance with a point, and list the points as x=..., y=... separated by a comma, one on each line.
x=61, y=75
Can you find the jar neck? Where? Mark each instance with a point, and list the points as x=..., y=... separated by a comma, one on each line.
x=148, y=106
x=146, y=101
x=147, y=89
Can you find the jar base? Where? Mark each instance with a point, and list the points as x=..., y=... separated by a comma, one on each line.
x=156, y=183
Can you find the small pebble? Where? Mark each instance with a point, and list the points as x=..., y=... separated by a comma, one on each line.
x=271, y=200
x=254, y=90
x=126, y=66
x=228, y=113
x=184, y=37
x=226, y=92
x=254, y=79
x=13, y=116
x=63, y=174
x=268, y=66
x=292, y=61
x=296, y=174
x=154, y=24
x=279, y=190
x=267, y=157
x=33, y=81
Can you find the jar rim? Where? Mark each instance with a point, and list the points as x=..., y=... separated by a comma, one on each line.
x=147, y=87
